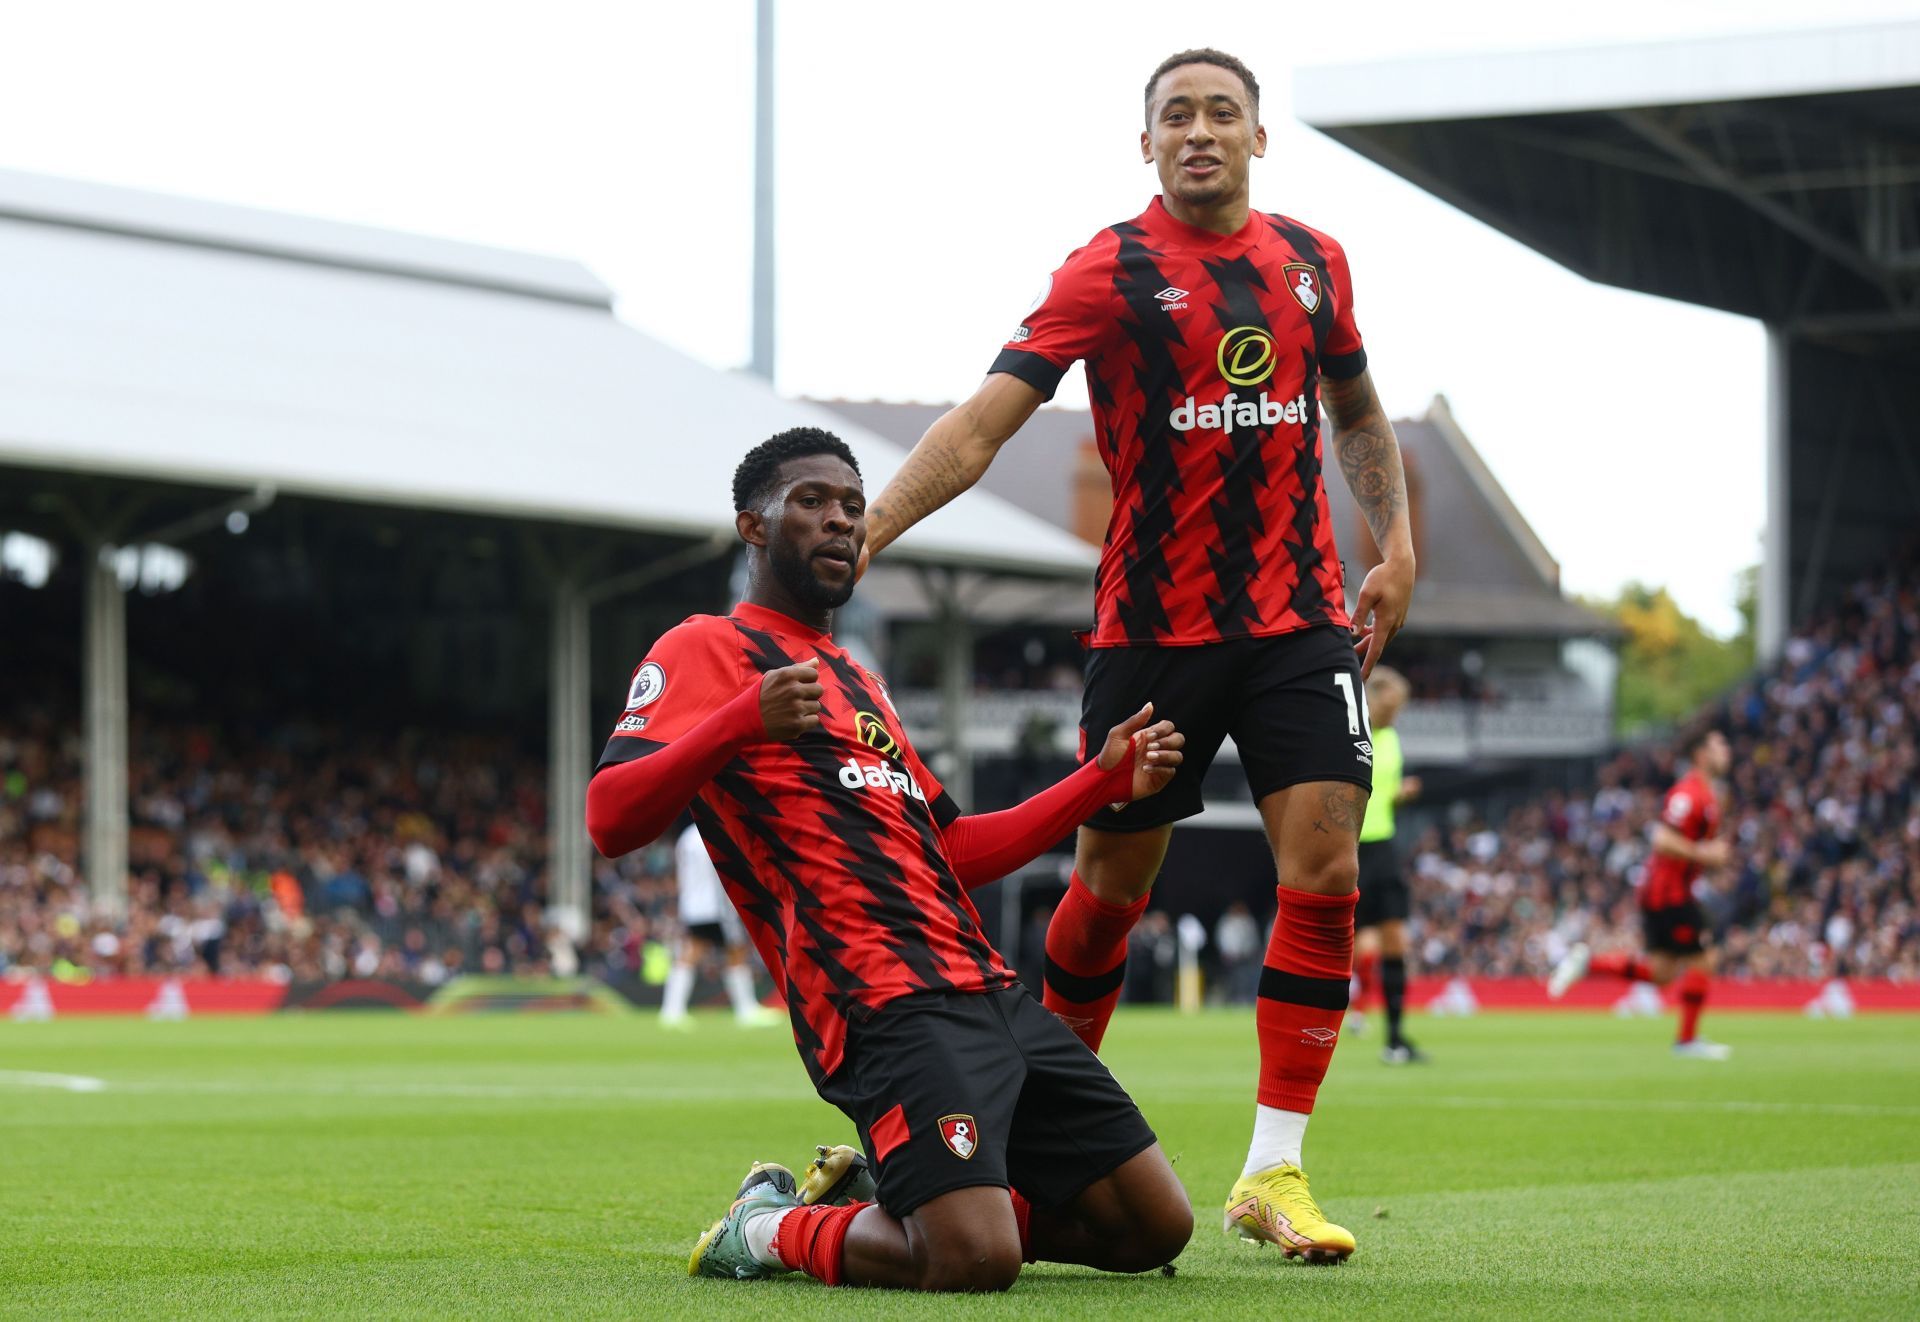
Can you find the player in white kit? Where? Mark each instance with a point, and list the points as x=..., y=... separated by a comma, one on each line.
x=707, y=920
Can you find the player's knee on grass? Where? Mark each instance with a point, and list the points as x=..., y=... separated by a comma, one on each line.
x=1154, y=1236
x=1141, y=1213
x=965, y=1241
x=972, y=1266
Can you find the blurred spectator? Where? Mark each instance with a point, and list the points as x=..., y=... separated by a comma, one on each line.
x=1152, y=952
x=1239, y=943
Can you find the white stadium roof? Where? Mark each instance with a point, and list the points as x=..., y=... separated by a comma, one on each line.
x=1688, y=72
x=158, y=338
x=1773, y=175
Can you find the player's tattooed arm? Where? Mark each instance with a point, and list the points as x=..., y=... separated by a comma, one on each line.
x=950, y=458
x=1369, y=456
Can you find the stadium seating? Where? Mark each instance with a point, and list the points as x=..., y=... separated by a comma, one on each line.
x=1824, y=816
x=322, y=853
x=314, y=854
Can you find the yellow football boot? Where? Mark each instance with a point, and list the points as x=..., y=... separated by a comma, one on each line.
x=838, y=1176
x=1274, y=1206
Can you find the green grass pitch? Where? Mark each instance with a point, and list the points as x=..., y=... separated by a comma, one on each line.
x=561, y=1166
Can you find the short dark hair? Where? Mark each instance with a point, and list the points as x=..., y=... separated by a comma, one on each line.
x=756, y=474
x=1690, y=741
x=1205, y=55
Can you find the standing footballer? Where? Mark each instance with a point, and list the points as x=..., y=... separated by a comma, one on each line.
x=1212, y=336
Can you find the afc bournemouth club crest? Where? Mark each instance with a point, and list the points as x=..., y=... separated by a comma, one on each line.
x=960, y=1136
x=1303, y=282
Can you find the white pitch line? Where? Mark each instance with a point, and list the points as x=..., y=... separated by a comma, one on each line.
x=70, y=1082
x=1637, y=1104
x=492, y=1091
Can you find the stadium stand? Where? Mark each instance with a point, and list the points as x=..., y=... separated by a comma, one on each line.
x=1824, y=814
x=311, y=854
x=316, y=852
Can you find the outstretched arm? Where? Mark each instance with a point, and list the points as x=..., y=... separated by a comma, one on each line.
x=989, y=846
x=1137, y=760
x=950, y=457
x=1369, y=455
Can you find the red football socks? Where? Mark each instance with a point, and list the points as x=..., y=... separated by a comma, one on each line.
x=811, y=1240
x=1620, y=964
x=1693, y=997
x=1023, y=1218
x=1087, y=959
x=1303, y=995
x=1366, y=976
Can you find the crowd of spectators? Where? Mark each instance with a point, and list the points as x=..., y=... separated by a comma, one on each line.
x=1822, y=810
x=319, y=853
x=312, y=854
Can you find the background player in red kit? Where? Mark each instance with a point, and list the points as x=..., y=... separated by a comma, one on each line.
x=1212, y=335
x=996, y=1136
x=1686, y=843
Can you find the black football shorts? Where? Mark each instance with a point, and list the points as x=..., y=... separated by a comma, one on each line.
x=1679, y=929
x=1383, y=886
x=712, y=933
x=1294, y=704
x=956, y=1089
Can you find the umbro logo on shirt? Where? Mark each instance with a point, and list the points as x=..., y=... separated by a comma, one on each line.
x=1172, y=297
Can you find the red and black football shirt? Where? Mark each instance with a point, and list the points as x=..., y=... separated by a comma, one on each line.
x=1204, y=355
x=1693, y=809
x=829, y=845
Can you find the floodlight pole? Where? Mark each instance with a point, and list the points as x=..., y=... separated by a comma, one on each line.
x=956, y=680
x=105, y=703
x=761, y=364
x=570, y=752
x=1775, y=559
x=569, y=866
x=104, y=677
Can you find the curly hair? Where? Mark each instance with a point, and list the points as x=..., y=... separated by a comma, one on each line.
x=1206, y=55
x=754, y=478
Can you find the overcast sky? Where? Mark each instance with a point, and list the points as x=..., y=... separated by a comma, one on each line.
x=936, y=162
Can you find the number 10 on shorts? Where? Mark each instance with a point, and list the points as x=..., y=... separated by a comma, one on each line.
x=1357, y=714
